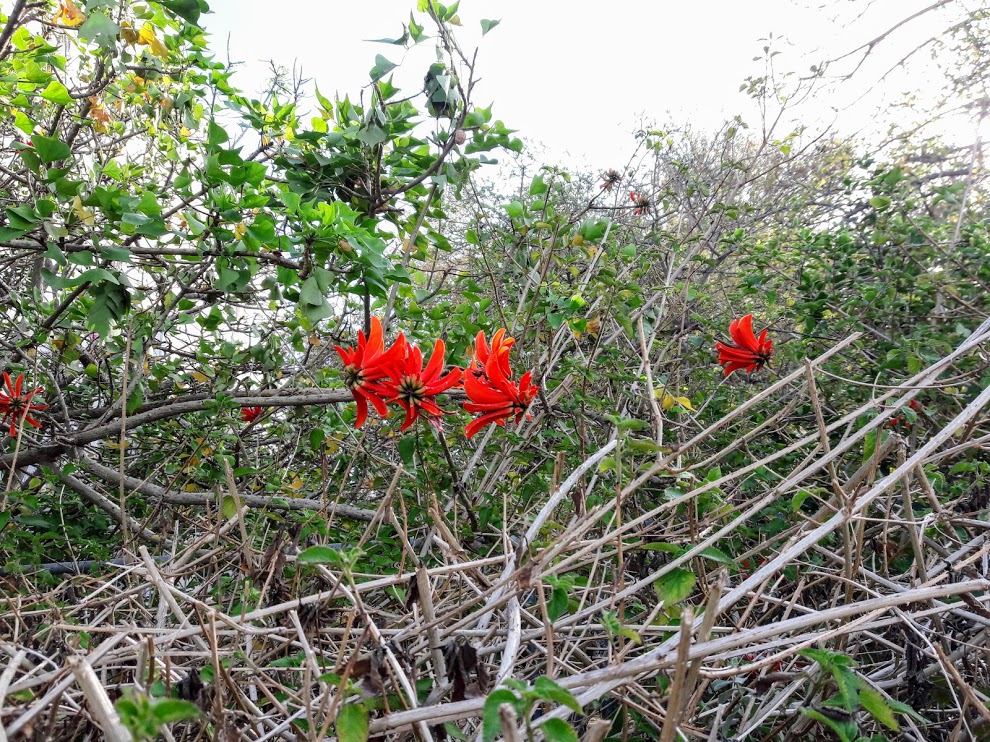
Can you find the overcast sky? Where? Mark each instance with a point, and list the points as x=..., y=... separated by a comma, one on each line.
x=578, y=76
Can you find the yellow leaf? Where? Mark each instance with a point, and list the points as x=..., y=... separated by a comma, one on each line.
x=115, y=445
x=69, y=15
x=668, y=400
x=85, y=215
x=101, y=119
x=149, y=37
x=184, y=132
x=297, y=484
x=577, y=240
x=240, y=229
x=128, y=34
x=200, y=376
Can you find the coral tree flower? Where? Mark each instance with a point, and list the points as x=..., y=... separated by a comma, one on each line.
x=16, y=404
x=746, y=352
x=367, y=365
x=500, y=347
x=641, y=201
x=611, y=178
x=250, y=414
x=414, y=388
x=489, y=386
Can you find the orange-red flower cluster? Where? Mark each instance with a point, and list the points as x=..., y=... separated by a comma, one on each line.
x=746, y=352
x=367, y=366
x=250, y=414
x=415, y=389
x=489, y=386
x=398, y=375
x=16, y=404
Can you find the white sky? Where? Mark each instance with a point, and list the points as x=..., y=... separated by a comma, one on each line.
x=578, y=76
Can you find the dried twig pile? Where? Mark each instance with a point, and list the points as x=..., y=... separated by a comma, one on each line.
x=431, y=640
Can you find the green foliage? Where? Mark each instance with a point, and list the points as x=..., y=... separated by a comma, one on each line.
x=523, y=700
x=144, y=717
x=352, y=723
x=853, y=694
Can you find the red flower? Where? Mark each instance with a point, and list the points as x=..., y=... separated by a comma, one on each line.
x=414, y=387
x=611, y=178
x=489, y=388
x=367, y=365
x=250, y=414
x=499, y=348
x=642, y=202
x=16, y=404
x=746, y=351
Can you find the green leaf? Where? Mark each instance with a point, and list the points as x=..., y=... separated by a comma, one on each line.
x=111, y=302
x=407, y=450
x=186, y=9
x=538, y=187
x=557, y=605
x=846, y=729
x=168, y=710
x=877, y=706
x=491, y=725
x=21, y=217
x=311, y=293
x=100, y=29
x=319, y=555
x=228, y=507
x=717, y=556
x=903, y=708
x=217, y=135
x=797, y=500
x=549, y=690
x=7, y=233
x=674, y=586
x=558, y=730
x=57, y=93
x=50, y=149
x=325, y=103
x=848, y=684
x=382, y=67
x=352, y=723
x=880, y=202
x=372, y=135
x=487, y=25
x=136, y=399
x=59, y=282
x=22, y=122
